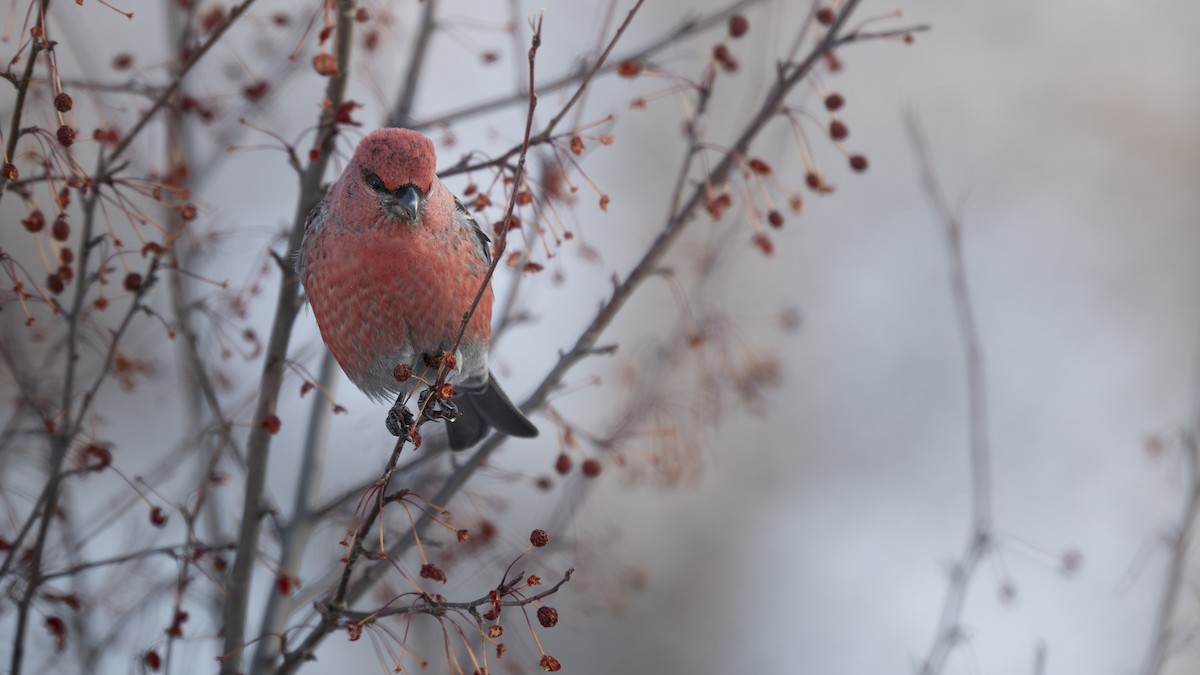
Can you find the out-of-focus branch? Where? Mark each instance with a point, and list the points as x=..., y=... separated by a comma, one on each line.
x=287, y=306
x=1163, y=637
x=14, y=128
x=401, y=114
x=547, y=133
x=979, y=539
x=294, y=538
x=685, y=29
x=213, y=38
x=431, y=606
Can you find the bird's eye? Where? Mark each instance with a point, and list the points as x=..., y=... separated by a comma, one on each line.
x=375, y=182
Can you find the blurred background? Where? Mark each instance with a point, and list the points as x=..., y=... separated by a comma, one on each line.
x=814, y=531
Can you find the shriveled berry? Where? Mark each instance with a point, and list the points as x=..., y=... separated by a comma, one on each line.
x=738, y=25
x=61, y=229
x=591, y=467
x=133, y=283
x=34, y=222
x=549, y=664
x=432, y=572
x=539, y=538
x=325, y=64
x=629, y=69
x=563, y=464
x=66, y=135
x=63, y=103
x=402, y=372
x=54, y=284
x=547, y=616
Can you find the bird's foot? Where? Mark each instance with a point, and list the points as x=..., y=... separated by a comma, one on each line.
x=399, y=421
x=438, y=408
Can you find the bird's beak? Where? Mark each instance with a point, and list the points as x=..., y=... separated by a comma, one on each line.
x=407, y=203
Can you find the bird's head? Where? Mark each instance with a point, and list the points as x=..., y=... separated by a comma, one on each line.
x=397, y=166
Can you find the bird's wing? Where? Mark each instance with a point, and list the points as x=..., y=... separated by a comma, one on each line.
x=466, y=220
x=314, y=221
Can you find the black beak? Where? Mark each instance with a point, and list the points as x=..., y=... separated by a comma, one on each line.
x=408, y=202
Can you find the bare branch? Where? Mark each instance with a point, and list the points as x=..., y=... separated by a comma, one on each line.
x=979, y=540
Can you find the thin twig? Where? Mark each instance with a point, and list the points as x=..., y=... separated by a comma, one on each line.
x=685, y=29
x=1163, y=638
x=979, y=538
x=14, y=129
x=431, y=606
x=547, y=132
x=401, y=114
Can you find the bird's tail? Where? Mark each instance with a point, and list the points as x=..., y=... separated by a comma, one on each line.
x=486, y=409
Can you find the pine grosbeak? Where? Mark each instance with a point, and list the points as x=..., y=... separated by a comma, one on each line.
x=391, y=261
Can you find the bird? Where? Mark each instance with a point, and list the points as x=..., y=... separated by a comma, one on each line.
x=390, y=262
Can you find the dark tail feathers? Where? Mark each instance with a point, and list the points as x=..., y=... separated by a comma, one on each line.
x=486, y=409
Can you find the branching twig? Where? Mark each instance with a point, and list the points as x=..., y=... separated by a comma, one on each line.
x=685, y=29
x=979, y=538
x=1163, y=638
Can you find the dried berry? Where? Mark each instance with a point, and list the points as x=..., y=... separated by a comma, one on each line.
x=35, y=221
x=775, y=218
x=563, y=464
x=591, y=468
x=66, y=135
x=825, y=16
x=10, y=171
x=834, y=101
x=539, y=538
x=61, y=229
x=549, y=664
x=547, y=616
x=433, y=572
x=133, y=282
x=760, y=167
x=325, y=64
x=738, y=25
x=63, y=103
x=158, y=517
x=838, y=130
x=629, y=69
x=858, y=163
x=54, y=284
x=272, y=424
x=402, y=372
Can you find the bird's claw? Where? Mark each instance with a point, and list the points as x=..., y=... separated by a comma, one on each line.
x=437, y=409
x=399, y=421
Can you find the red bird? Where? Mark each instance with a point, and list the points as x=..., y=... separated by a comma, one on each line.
x=391, y=261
